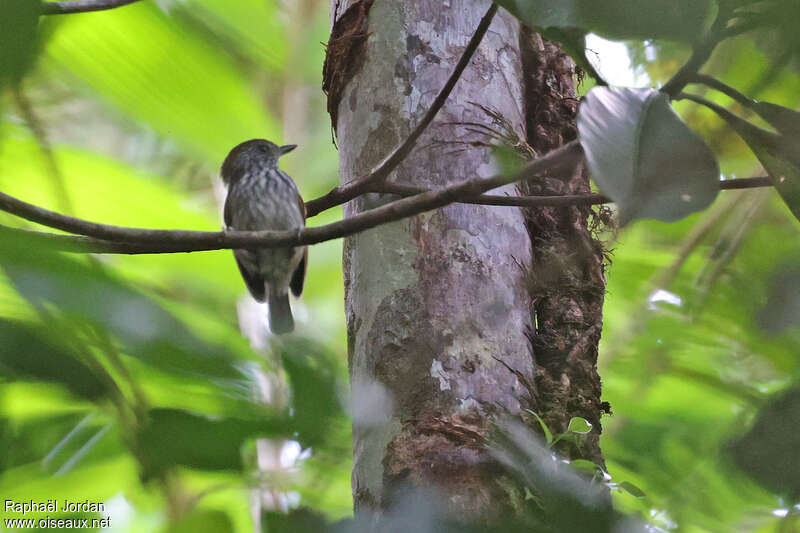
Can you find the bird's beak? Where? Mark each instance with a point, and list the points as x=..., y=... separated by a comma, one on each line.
x=285, y=149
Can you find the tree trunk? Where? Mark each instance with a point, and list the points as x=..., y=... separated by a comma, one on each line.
x=567, y=276
x=439, y=308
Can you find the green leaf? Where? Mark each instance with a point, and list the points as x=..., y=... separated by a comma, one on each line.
x=677, y=20
x=254, y=29
x=177, y=437
x=682, y=20
x=24, y=354
x=779, y=154
x=87, y=294
x=768, y=451
x=295, y=521
x=632, y=489
x=643, y=156
x=180, y=437
x=543, y=14
x=197, y=98
x=314, y=388
x=782, y=309
x=203, y=521
x=579, y=425
x=18, y=38
x=548, y=435
x=783, y=119
x=584, y=465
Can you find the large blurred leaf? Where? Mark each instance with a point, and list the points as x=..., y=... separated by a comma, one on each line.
x=247, y=27
x=88, y=295
x=157, y=72
x=777, y=34
x=782, y=309
x=314, y=388
x=786, y=121
x=181, y=437
x=203, y=521
x=780, y=154
x=295, y=521
x=94, y=182
x=18, y=42
x=768, y=451
x=643, y=156
x=24, y=354
x=618, y=19
x=97, y=482
x=175, y=437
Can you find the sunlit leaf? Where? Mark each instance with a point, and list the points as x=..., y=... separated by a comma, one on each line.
x=643, y=156
x=255, y=29
x=95, y=482
x=196, y=97
x=586, y=466
x=579, y=425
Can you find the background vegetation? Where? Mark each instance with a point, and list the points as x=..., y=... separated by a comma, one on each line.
x=127, y=380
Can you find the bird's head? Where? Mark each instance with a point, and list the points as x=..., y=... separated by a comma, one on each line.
x=250, y=156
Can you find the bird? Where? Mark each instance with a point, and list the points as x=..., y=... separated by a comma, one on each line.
x=263, y=197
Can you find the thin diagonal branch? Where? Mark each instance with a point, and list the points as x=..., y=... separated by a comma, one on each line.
x=701, y=52
x=40, y=134
x=82, y=6
x=714, y=83
x=345, y=193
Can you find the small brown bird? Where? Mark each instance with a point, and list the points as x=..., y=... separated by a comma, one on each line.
x=262, y=197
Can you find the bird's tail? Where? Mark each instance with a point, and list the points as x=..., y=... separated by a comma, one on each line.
x=280, y=314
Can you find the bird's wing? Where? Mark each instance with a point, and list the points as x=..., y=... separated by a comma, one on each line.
x=248, y=266
x=226, y=213
x=299, y=276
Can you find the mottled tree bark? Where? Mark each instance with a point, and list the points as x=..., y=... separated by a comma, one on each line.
x=439, y=307
x=567, y=274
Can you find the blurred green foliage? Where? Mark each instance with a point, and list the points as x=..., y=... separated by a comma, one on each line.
x=127, y=380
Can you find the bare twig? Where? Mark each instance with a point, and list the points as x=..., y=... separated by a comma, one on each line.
x=701, y=52
x=357, y=187
x=82, y=6
x=714, y=83
x=40, y=134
